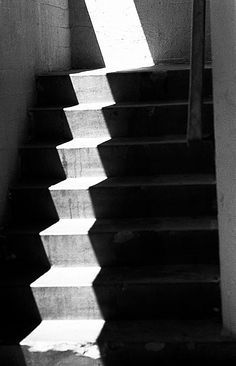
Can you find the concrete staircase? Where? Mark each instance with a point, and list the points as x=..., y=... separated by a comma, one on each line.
x=115, y=231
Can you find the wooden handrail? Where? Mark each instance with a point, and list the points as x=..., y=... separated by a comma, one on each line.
x=194, y=128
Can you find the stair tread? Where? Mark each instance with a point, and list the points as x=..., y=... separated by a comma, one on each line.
x=108, y=105
x=104, y=71
x=53, y=333
x=89, y=276
x=91, y=142
x=91, y=225
x=88, y=182
x=150, y=275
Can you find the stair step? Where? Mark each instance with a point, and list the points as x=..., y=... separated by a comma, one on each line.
x=147, y=84
x=117, y=182
x=113, y=242
x=117, y=157
x=93, y=343
x=119, y=204
x=116, y=197
x=117, y=120
x=110, y=293
x=113, y=293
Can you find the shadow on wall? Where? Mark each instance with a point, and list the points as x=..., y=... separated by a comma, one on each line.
x=86, y=52
x=160, y=29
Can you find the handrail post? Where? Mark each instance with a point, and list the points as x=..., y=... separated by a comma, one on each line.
x=194, y=128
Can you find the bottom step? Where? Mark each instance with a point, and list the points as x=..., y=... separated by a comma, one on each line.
x=95, y=343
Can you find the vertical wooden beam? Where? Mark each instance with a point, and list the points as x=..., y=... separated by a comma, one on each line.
x=194, y=129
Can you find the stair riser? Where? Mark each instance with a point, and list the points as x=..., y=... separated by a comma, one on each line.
x=117, y=249
x=115, y=202
x=120, y=160
x=128, y=301
x=64, y=90
x=116, y=122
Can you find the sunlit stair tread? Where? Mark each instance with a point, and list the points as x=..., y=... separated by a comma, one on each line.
x=104, y=71
x=88, y=276
x=84, y=226
x=67, y=184
x=89, y=182
x=93, y=342
x=72, y=144
x=78, y=143
x=53, y=333
x=98, y=106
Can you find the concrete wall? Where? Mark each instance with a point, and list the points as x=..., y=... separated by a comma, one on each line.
x=35, y=37
x=223, y=18
x=163, y=25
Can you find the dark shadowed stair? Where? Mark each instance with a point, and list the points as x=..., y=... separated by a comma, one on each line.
x=115, y=226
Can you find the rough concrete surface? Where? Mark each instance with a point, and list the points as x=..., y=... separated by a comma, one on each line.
x=35, y=37
x=111, y=31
